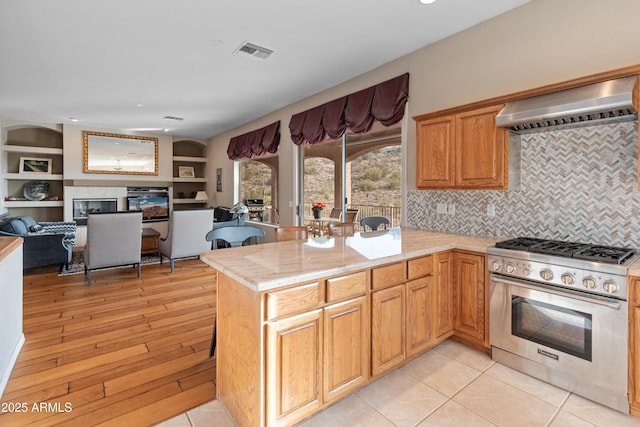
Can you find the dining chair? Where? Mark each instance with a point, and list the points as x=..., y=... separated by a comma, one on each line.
x=186, y=235
x=341, y=229
x=113, y=240
x=351, y=215
x=235, y=236
x=293, y=232
x=373, y=222
x=318, y=228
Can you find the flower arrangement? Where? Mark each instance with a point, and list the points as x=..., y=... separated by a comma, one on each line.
x=317, y=208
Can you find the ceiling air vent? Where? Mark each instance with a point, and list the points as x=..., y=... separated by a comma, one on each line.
x=253, y=50
x=179, y=119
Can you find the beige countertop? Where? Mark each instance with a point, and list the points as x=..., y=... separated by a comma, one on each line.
x=273, y=265
x=8, y=245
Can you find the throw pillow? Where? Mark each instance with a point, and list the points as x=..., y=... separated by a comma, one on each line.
x=14, y=226
x=30, y=223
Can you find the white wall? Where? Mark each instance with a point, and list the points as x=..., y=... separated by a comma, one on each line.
x=539, y=43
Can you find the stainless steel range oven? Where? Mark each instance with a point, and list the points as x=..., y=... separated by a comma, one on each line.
x=559, y=313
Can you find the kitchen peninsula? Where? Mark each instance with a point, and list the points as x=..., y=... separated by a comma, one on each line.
x=303, y=324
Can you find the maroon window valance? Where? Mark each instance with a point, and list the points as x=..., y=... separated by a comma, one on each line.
x=255, y=143
x=383, y=102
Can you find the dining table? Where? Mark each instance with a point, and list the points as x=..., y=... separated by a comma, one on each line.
x=318, y=225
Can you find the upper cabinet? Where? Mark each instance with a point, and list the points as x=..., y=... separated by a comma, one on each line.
x=462, y=151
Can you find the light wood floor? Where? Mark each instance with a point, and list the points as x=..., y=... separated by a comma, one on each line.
x=122, y=352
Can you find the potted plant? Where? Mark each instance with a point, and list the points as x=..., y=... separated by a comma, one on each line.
x=317, y=208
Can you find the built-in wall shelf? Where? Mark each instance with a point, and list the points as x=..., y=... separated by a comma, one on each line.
x=190, y=159
x=33, y=204
x=178, y=179
x=189, y=154
x=188, y=201
x=31, y=149
x=34, y=177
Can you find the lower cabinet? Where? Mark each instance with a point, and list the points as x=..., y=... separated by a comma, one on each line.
x=346, y=347
x=634, y=344
x=294, y=367
x=420, y=315
x=387, y=329
x=443, y=294
x=469, y=296
x=314, y=358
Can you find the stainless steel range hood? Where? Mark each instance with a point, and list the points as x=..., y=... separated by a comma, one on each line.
x=603, y=102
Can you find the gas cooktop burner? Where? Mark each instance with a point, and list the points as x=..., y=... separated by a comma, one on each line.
x=607, y=254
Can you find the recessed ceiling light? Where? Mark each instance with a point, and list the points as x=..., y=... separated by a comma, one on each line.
x=426, y=1
x=139, y=105
x=73, y=119
x=165, y=130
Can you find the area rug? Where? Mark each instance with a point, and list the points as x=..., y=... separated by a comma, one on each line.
x=77, y=263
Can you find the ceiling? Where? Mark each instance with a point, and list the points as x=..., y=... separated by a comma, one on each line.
x=123, y=64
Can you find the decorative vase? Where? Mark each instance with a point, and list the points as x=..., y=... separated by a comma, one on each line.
x=317, y=213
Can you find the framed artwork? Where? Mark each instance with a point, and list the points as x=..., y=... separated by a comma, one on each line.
x=186, y=172
x=219, y=179
x=35, y=165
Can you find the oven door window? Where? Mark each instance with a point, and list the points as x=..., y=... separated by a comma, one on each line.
x=565, y=330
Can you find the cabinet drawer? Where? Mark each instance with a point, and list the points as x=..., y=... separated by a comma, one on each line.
x=344, y=287
x=389, y=275
x=293, y=300
x=420, y=267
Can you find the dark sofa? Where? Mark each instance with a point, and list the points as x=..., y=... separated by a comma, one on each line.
x=45, y=243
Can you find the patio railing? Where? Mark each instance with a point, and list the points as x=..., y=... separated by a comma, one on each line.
x=391, y=212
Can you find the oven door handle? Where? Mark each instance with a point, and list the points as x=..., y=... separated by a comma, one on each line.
x=615, y=305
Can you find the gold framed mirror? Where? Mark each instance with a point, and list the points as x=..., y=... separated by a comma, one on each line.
x=119, y=154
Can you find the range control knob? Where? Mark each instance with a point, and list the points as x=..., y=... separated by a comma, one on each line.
x=496, y=266
x=510, y=268
x=589, y=282
x=568, y=279
x=611, y=287
x=526, y=272
x=546, y=274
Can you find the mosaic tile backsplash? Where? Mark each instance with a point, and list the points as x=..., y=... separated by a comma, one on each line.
x=576, y=184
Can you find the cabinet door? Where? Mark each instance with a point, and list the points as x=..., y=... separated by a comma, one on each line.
x=420, y=321
x=435, y=152
x=469, y=295
x=482, y=150
x=387, y=328
x=294, y=363
x=346, y=346
x=443, y=298
x=634, y=345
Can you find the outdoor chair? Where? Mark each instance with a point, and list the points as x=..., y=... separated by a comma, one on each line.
x=341, y=229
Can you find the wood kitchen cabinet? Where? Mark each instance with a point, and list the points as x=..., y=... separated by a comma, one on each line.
x=402, y=313
x=444, y=294
x=318, y=353
x=634, y=344
x=294, y=367
x=464, y=150
x=469, y=296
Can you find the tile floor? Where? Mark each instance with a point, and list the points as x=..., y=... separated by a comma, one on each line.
x=451, y=385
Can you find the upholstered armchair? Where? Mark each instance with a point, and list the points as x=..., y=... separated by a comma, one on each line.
x=113, y=240
x=187, y=234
